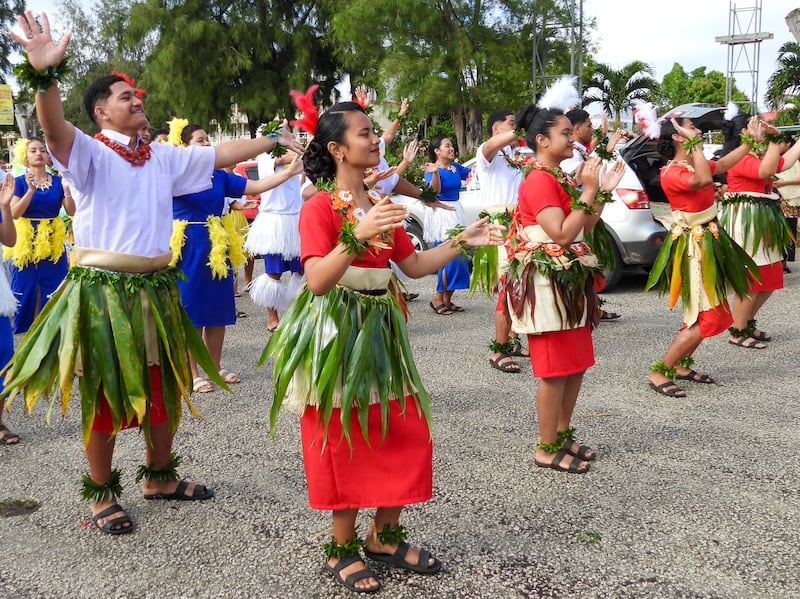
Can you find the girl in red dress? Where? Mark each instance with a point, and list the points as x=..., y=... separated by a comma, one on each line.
x=343, y=345
x=548, y=260
x=715, y=262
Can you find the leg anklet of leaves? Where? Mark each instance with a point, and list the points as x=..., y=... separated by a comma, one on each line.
x=751, y=324
x=501, y=348
x=390, y=535
x=685, y=362
x=659, y=366
x=93, y=491
x=165, y=474
x=567, y=435
x=550, y=447
x=740, y=333
x=342, y=550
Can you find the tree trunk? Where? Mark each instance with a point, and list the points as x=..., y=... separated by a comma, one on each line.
x=468, y=128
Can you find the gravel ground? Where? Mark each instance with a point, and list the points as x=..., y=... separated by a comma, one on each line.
x=694, y=497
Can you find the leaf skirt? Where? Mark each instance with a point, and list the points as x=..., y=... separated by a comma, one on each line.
x=107, y=328
x=345, y=349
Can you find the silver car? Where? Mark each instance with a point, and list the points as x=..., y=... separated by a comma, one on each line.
x=637, y=236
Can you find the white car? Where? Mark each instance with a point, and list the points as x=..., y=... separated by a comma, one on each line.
x=636, y=234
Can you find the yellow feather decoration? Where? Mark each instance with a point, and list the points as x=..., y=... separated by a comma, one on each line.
x=236, y=253
x=21, y=254
x=176, y=126
x=41, y=241
x=177, y=240
x=20, y=152
x=218, y=256
x=59, y=236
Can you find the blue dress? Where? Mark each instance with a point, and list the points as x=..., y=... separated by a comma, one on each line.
x=456, y=272
x=35, y=283
x=209, y=302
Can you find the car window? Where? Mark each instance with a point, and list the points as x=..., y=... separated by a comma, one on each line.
x=252, y=172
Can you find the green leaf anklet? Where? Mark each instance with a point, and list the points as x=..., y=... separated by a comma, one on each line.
x=342, y=550
x=550, y=447
x=659, y=366
x=685, y=362
x=741, y=333
x=566, y=435
x=165, y=474
x=392, y=535
x=93, y=491
x=501, y=348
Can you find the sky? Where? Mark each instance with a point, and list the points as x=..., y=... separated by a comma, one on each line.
x=683, y=31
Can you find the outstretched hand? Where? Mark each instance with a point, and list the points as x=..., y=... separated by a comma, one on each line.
x=7, y=191
x=481, y=232
x=374, y=178
x=381, y=218
x=611, y=177
x=37, y=42
x=288, y=140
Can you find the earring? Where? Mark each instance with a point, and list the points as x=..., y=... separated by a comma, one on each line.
x=341, y=159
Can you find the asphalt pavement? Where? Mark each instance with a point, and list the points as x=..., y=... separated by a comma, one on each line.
x=694, y=497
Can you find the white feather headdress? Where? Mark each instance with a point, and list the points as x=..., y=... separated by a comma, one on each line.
x=731, y=111
x=562, y=94
x=645, y=115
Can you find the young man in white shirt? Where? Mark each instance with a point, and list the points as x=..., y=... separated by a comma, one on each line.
x=499, y=187
x=128, y=339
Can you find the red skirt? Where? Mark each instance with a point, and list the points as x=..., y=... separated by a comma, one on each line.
x=771, y=278
x=714, y=321
x=560, y=353
x=158, y=412
x=393, y=471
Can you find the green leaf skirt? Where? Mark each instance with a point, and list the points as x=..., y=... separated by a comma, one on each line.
x=760, y=222
x=106, y=328
x=343, y=349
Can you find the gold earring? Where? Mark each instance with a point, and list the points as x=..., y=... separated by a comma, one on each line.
x=341, y=159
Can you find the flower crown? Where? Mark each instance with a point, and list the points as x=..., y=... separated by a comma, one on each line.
x=139, y=92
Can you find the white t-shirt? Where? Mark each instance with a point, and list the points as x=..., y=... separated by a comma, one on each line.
x=579, y=154
x=499, y=180
x=287, y=197
x=125, y=208
x=387, y=185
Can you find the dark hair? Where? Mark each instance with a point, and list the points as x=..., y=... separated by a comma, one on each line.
x=732, y=130
x=577, y=116
x=99, y=90
x=786, y=138
x=496, y=116
x=332, y=126
x=665, y=146
x=188, y=130
x=537, y=121
x=434, y=145
x=155, y=133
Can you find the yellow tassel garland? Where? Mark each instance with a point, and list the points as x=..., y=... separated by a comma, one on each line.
x=20, y=152
x=45, y=242
x=217, y=257
x=177, y=240
x=236, y=253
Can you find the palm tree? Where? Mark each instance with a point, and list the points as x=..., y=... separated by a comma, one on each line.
x=616, y=89
x=786, y=77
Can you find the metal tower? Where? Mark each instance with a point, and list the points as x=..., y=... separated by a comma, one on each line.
x=572, y=23
x=744, y=49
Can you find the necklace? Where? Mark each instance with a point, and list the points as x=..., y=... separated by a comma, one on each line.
x=450, y=168
x=682, y=163
x=343, y=202
x=135, y=157
x=47, y=183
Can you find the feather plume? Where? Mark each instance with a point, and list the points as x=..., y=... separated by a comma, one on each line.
x=176, y=127
x=731, y=111
x=562, y=94
x=645, y=115
x=305, y=104
x=139, y=92
x=344, y=89
x=20, y=153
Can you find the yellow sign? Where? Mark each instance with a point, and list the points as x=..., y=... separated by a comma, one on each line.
x=6, y=105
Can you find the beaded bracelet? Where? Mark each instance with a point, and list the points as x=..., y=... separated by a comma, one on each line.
x=40, y=81
x=691, y=144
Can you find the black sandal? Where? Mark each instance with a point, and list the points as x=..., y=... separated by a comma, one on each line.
x=509, y=366
x=10, y=438
x=695, y=377
x=518, y=351
x=583, y=451
x=441, y=309
x=199, y=493
x=352, y=579
x=109, y=525
x=669, y=388
x=453, y=308
x=753, y=343
x=555, y=463
x=398, y=559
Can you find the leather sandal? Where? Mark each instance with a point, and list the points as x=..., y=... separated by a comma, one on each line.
x=108, y=526
x=398, y=559
x=352, y=579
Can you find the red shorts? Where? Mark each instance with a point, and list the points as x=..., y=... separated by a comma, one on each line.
x=560, y=353
x=771, y=278
x=714, y=321
x=103, y=423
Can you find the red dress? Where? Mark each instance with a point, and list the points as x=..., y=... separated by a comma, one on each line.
x=675, y=183
x=556, y=353
x=396, y=470
x=743, y=177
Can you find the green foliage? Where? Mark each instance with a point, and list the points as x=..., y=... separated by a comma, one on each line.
x=616, y=89
x=786, y=78
x=8, y=11
x=679, y=87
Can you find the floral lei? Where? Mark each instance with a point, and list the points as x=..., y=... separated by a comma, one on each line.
x=136, y=157
x=518, y=161
x=343, y=202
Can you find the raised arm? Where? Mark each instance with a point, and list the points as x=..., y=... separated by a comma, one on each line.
x=233, y=152
x=44, y=56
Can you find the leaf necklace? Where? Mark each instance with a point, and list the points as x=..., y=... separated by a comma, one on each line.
x=135, y=157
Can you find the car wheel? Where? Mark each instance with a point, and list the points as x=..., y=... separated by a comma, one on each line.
x=613, y=277
x=414, y=231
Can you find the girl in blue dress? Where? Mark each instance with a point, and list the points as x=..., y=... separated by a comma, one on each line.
x=445, y=176
x=8, y=302
x=39, y=257
x=208, y=248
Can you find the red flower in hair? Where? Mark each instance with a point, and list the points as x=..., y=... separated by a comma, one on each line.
x=305, y=104
x=131, y=82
